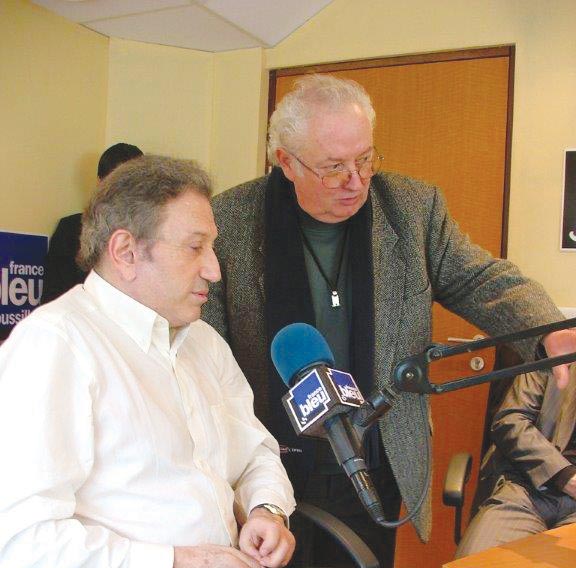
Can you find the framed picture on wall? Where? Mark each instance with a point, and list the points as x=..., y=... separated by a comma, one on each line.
x=568, y=235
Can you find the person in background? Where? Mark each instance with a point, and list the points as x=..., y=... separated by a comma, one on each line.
x=127, y=427
x=62, y=271
x=328, y=239
x=528, y=476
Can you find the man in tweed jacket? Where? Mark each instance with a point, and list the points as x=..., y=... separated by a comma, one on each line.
x=395, y=251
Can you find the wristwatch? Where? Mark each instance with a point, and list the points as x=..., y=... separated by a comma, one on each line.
x=275, y=510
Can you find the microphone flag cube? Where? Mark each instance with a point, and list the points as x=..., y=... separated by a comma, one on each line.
x=320, y=394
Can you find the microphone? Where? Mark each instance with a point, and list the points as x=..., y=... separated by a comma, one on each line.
x=303, y=359
x=326, y=403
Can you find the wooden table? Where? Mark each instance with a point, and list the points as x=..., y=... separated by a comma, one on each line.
x=555, y=548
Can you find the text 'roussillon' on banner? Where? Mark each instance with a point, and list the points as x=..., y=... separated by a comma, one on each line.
x=22, y=259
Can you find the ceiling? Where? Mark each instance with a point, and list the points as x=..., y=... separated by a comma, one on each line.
x=206, y=25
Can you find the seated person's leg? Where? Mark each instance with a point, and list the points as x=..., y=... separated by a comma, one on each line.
x=509, y=514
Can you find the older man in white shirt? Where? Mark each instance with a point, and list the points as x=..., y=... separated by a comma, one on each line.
x=126, y=427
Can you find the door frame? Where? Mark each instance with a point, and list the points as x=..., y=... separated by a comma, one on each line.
x=414, y=59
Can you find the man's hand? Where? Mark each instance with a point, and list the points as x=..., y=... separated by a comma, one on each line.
x=212, y=556
x=265, y=538
x=560, y=343
x=570, y=487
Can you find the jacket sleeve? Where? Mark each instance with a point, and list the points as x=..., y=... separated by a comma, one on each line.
x=489, y=292
x=516, y=434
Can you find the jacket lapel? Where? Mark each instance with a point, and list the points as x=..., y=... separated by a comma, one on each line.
x=389, y=284
x=260, y=275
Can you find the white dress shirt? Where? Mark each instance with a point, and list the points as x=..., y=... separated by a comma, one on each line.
x=118, y=445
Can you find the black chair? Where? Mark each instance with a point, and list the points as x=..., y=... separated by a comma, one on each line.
x=453, y=495
x=359, y=552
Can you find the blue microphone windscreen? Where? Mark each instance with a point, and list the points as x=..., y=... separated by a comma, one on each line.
x=296, y=347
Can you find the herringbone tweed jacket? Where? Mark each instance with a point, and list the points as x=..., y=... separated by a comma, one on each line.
x=419, y=256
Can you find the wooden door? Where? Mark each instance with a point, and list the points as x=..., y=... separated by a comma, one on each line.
x=444, y=118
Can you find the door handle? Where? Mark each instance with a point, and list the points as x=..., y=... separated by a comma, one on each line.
x=465, y=339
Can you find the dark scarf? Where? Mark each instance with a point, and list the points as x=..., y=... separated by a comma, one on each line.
x=288, y=300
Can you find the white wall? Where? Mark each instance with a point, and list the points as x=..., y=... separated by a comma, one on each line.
x=53, y=82
x=161, y=99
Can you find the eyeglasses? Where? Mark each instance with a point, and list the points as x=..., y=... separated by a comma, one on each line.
x=339, y=177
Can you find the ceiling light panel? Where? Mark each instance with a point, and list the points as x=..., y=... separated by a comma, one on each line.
x=269, y=20
x=90, y=10
x=190, y=27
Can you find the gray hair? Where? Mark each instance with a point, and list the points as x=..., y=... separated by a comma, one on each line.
x=132, y=197
x=312, y=93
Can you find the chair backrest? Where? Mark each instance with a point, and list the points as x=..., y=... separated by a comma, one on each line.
x=358, y=550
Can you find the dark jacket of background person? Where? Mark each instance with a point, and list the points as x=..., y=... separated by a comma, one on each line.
x=62, y=272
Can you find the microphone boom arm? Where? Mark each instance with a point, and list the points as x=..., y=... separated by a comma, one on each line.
x=411, y=374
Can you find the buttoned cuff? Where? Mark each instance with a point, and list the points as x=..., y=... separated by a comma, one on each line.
x=146, y=555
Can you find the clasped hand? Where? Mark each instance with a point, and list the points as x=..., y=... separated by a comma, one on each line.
x=264, y=542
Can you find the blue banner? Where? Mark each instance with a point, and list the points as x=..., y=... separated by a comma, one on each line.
x=22, y=259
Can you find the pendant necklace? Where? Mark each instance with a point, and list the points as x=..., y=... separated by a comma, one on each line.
x=332, y=283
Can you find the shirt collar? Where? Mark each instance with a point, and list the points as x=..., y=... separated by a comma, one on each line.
x=140, y=322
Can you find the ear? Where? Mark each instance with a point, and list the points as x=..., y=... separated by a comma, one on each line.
x=286, y=162
x=122, y=254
